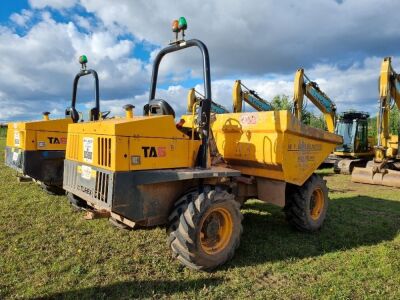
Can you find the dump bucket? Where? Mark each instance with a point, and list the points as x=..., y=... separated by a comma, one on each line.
x=272, y=144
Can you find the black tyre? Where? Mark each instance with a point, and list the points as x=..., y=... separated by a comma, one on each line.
x=118, y=224
x=306, y=205
x=77, y=203
x=336, y=168
x=52, y=189
x=178, y=209
x=209, y=229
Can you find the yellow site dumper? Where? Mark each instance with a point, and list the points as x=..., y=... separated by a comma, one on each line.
x=147, y=170
x=37, y=148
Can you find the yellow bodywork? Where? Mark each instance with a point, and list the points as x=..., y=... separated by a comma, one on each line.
x=271, y=144
x=38, y=135
x=379, y=172
x=387, y=91
x=137, y=143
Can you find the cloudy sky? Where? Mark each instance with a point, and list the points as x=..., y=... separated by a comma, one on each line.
x=340, y=43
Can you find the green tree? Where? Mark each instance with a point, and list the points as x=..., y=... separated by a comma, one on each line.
x=394, y=122
x=281, y=102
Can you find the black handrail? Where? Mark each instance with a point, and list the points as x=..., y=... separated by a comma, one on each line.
x=95, y=111
x=205, y=105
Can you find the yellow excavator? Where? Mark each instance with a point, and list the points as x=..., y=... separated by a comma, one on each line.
x=36, y=149
x=147, y=171
x=241, y=93
x=357, y=148
x=384, y=169
x=303, y=86
x=195, y=97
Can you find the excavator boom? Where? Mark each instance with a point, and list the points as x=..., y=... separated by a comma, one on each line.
x=192, y=99
x=303, y=86
x=241, y=93
x=383, y=170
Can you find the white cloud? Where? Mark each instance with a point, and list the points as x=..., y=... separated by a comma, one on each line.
x=258, y=36
x=260, y=42
x=83, y=22
x=40, y=65
x=21, y=19
x=58, y=4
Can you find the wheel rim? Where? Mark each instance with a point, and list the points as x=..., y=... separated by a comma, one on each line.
x=316, y=204
x=216, y=230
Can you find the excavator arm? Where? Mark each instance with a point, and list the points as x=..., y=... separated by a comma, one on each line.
x=383, y=170
x=303, y=86
x=389, y=88
x=249, y=96
x=192, y=98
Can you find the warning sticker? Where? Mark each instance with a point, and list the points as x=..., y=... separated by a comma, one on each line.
x=17, y=139
x=88, y=150
x=86, y=172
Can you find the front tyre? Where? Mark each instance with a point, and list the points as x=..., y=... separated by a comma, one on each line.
x=77, y=203
x=52, y=189
x=209, y=230
x=306, y=205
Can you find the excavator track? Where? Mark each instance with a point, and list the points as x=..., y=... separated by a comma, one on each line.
x=346, y=166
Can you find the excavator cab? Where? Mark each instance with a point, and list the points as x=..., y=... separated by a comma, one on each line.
x=353, y=127
x=356, y=149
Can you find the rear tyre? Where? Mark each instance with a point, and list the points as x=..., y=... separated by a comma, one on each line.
x=52, y=189
x=306, y=205
x=77, y=203
x=209, y=229
x=173, y=219
x=118, y=224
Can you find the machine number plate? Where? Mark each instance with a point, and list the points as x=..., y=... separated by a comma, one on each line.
x=88, y=150
x=86, y=172
x=17, y=139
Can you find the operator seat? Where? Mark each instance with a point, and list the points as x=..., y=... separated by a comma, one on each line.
x=158, y=107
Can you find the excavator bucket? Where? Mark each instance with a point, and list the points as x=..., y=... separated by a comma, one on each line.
x=369, y=176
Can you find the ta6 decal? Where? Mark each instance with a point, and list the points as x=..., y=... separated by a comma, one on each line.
x=56, y=140
x=150, y=151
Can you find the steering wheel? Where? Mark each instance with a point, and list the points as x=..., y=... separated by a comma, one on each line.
x=105, y=114
x=73, y=113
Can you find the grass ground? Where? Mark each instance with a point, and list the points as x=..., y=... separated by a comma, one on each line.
x=48, y=251
x=3, y=132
